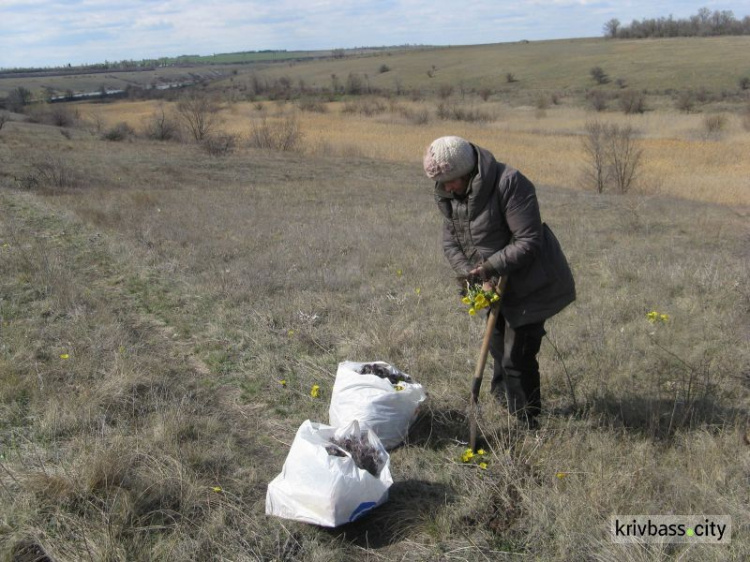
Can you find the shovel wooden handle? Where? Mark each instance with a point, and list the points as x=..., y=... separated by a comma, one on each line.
x=476, y=382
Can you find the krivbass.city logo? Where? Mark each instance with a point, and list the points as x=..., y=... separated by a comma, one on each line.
x=706, y=529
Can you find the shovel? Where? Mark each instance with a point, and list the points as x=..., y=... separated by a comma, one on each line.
x=476, y=382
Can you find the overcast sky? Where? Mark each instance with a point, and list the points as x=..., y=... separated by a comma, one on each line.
x=58, y=32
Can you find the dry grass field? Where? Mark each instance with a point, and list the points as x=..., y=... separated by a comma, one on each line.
x=680, y=157
x=153, y=296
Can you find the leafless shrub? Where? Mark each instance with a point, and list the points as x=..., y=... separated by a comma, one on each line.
x=50, y=174
x=366, y=107
x=542, y=102
x=453, y=112
x=714, y=126
x=597, y=99
x=485, y=93
x=4, y=118
x=614, y=159
x=621, y=83
x=313, y=105
x=510, y=78
x=61, y=115
x=632, y=101
x=355, y=84
x=285, y=136
x=746, y=118
x=744, y=83
x=162, y=126
x=445, y=91
x=120, y=132
x=219, y=145
x=198, y=113
x=686, y=101
x=415, y=116
x=384, y=68
x=596, y=172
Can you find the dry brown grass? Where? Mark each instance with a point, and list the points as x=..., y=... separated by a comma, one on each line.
x=679, y=159
x=183, y=288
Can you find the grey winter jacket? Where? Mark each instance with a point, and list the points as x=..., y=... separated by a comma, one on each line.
x=497, y=224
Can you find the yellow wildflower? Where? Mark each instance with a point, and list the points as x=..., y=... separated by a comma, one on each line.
x=466, y=300
x=315, y=391
x=481, y=452
x=398, y=387
x=560, y=475
x=283, y=383
x=652, y=316
x=468, y=455
x=418, y=290
x=495, y=298
x=64, y=356
x=290, y=333
x=472, y=311
x=217, y=489
x=664, y=317
x=483, y=465
x=399, y=272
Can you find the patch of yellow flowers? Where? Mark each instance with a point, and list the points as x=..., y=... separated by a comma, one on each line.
x=655, y=317
x=477, y=298
x=478, y=458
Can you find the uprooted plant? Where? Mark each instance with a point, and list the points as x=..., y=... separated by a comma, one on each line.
x=364, y=455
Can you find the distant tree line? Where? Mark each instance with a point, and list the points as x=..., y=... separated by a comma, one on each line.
x=703, y=24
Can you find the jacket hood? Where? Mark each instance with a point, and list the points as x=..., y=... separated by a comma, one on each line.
x=480, y=185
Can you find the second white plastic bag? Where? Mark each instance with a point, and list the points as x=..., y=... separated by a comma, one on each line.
x=386, y=407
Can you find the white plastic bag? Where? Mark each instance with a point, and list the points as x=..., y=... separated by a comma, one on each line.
x=378, y=404
x=327, y=489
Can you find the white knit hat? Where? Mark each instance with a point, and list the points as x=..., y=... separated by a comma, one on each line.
x=449, y=158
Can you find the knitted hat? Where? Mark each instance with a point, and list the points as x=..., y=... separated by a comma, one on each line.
x=449, y=158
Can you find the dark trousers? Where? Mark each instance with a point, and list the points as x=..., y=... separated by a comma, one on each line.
x=515, y=379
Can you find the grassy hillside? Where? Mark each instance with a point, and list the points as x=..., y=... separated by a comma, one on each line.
x=153, y=298
x=660, y=64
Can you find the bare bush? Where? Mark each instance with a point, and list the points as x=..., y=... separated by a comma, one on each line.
x=313, y=105
x=746, y=118
x=445, y=91
x=219, y=145
x=632, y=101
x=120, y=132
x=18, y=98
x=50, y=174
x=366, y=107
x=285, y=136
x=61, y=115
x=614, y=159
x=510, y=78
x=415, y=116
x=485, y=93
x=4, y=118
x=597, y=99
x=714, y=126
x=596, y=172
x=744, y=83
x=198, y=113
x=686, y=101
x=542, y=102
x=454, y=112
x=162, y=126
x=384, y=68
